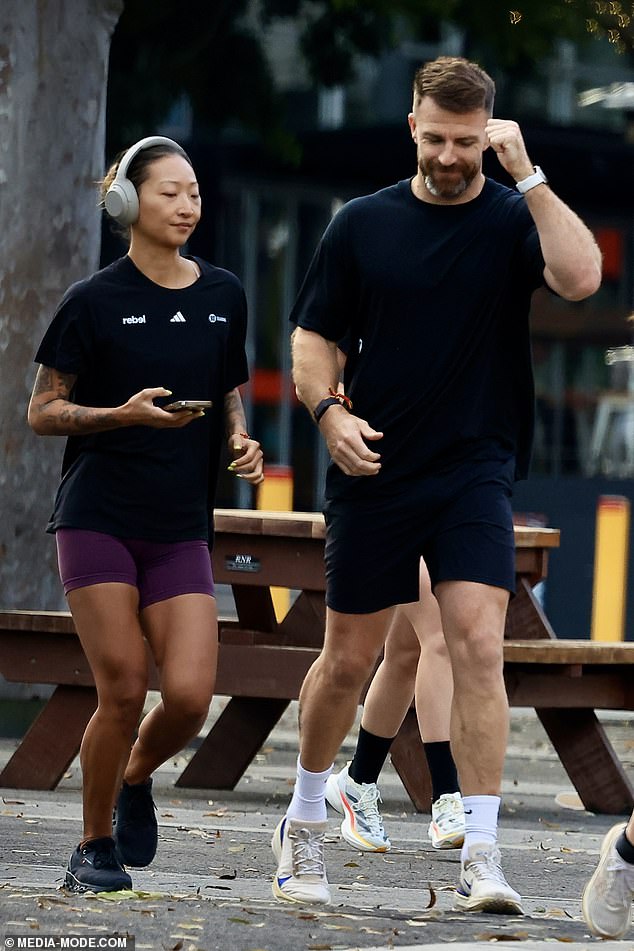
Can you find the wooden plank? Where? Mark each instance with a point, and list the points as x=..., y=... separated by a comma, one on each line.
x=255, y=608
x=529, y=536
x=568, y=652
x=589, y=760
x=263, y=671
x=47, y=657
x=305, y=623
x=261, y=522
x=52, y=741
x=230, y=746
x=569, y=688
x=311, y=525
x=408, y=758
x=525, y=618
x=46, y=621
x=260, y=560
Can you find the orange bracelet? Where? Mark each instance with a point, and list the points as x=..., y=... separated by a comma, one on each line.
x=341, y=397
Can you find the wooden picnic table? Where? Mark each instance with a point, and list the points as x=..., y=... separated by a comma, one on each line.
x=262, y=662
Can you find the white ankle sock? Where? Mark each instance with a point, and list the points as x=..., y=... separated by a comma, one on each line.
x=309, y=795
x=481, y=820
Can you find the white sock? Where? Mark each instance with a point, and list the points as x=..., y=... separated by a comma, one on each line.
x=309, y=795
x=481, y=821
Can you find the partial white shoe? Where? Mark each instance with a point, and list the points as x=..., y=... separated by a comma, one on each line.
x=607, y=898
x=362, y=825
x=446, y=829
x=298, y=846
x=482, y=886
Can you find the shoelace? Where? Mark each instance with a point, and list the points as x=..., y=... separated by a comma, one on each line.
x=308, y=852
x=450, y=810
x=104, y=858
x=487, y=865
x=368, y=803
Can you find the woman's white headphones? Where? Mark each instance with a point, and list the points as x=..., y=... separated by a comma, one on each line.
x=121, y=201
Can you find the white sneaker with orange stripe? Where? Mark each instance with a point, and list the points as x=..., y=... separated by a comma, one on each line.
x=362, y=825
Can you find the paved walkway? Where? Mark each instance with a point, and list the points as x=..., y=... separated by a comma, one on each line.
x=209, y=887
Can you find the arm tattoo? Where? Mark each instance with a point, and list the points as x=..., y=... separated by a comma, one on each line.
x=235, y=421
x=57, y=414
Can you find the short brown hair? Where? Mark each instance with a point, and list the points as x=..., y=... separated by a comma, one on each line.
x=455, y=84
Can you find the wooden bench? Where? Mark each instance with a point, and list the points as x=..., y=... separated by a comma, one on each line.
x=40, y=647
x=565, y=682
x=262, y=662
x=554, y=677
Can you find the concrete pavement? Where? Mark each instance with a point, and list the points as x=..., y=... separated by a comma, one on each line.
x=209, y=886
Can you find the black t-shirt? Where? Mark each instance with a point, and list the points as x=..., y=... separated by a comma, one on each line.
x=433, y=301
x=119, y=333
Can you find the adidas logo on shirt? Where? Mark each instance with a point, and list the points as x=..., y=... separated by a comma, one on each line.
x=177, y=318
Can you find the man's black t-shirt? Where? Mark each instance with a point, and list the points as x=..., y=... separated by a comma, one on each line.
x=119, y=333
x=434, y=301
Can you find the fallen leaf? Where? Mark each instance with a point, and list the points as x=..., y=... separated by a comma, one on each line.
x=432, y=896
x=502, y=936
x=125, y=894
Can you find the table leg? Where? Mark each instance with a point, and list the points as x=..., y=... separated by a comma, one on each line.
x=525, y=618
x=589, y=759
x=52, y=741
x=408, y=758
x=228, y=749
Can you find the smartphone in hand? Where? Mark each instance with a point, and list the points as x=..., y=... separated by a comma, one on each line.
x=187, y=404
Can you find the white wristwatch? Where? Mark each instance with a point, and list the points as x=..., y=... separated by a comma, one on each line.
x=537, y=178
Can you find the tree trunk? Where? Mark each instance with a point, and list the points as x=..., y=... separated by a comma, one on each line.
x=53, y=69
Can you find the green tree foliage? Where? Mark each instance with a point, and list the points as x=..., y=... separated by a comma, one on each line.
x=212, y=52
x=206, y=51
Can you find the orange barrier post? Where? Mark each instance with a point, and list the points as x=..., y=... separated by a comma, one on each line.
x=610, y=568
x=276, y=495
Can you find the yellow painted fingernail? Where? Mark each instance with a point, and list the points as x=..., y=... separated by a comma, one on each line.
x=231, y=467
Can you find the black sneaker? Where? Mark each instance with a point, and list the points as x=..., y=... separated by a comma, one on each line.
x=135, y=829
x=94, y=867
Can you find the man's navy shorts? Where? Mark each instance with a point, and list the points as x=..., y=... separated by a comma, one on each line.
x=460, y=521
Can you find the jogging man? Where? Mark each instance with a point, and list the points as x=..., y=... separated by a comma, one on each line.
x=433, y=277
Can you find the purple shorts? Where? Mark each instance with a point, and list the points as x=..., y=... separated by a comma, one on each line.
x=159, y=570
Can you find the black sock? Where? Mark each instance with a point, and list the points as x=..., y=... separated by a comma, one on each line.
x=444, y=778
x=625, y=848
x=369, y=757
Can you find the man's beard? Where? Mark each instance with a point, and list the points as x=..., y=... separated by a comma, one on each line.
x=447, y=189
